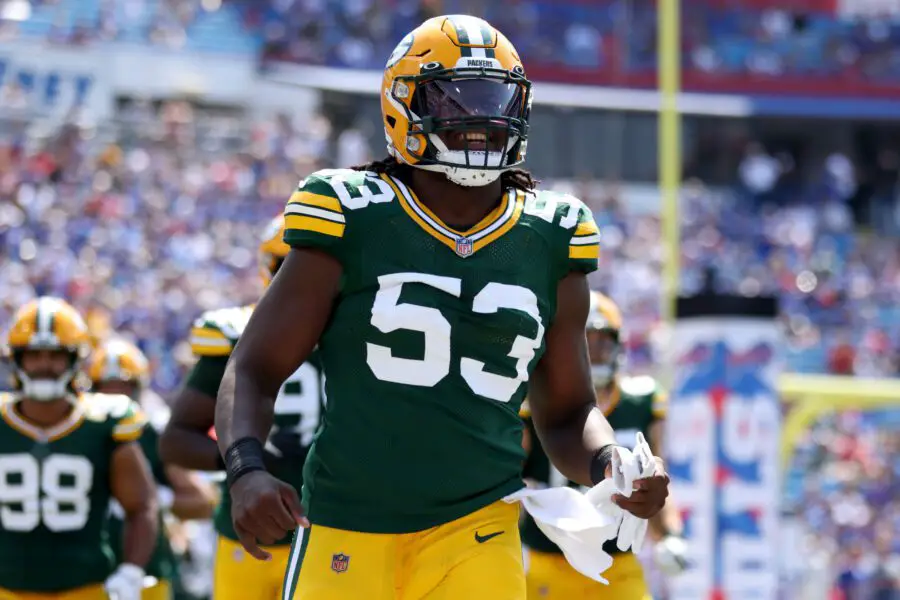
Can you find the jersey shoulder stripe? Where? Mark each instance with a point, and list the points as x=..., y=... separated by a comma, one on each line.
x=575, y=220
x=314, y=206
x=585, y=241
x=318, y=213
x=216, y=332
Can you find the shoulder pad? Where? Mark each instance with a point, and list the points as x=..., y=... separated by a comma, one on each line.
x=555, y=207
x=122, y=412
x=217, y=331
x=642, y=385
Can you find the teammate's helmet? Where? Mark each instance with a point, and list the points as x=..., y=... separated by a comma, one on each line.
x=118, y=360
x=99, y=325
x=605, y=323
x=272, y=249
x=47, y=323
x=455, y=100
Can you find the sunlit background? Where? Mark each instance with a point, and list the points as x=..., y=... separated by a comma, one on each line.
x=143, y=143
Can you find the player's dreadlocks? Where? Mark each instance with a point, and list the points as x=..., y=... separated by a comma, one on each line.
x=518, y=178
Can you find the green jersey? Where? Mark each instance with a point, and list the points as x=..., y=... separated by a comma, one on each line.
x=637, y=404
x=431, y=341
x=55, y=493
x=298, y=406
x=163, y=564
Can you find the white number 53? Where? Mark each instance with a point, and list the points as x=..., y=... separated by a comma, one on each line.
x=389, y=314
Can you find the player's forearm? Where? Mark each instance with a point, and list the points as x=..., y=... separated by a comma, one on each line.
x=573, y=443
x=140, y=530
x=189, y=448
x=245, y=406
x=193, y=505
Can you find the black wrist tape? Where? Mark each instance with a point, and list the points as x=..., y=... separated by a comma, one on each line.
x=600, y=462
x=243, y=456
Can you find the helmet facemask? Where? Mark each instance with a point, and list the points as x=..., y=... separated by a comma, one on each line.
x=605, y=353
x=474, y=120
x=126, y=386
x=49, y=387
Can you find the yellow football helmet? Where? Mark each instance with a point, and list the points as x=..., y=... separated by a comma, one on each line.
x=455, y=100
x=604, y=324
x=272, y=249
x=118, y=360
x=99, y=325
x=47, y=323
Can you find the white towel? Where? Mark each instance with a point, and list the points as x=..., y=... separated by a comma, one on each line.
x=575, y=525
x=580, y=523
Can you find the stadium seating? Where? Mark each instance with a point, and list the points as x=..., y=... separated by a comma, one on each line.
x=803, y=46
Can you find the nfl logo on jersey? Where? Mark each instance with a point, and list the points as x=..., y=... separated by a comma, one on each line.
x=464, y=247
x=340, y=562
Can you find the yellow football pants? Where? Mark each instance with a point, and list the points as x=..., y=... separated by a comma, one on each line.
x=162, y=590
x=88, y=592
x=239, y=576
x=476, y=557
x=551, y=577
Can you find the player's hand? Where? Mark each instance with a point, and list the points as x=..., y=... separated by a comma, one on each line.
x=649, y=493
x=670, y=555
x=263, y=510
x=126, y=583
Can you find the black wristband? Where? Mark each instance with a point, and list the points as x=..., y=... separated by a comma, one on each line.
x=243, y=456
x=600, y=462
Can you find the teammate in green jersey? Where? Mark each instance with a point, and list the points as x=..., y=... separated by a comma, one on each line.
x=438, y=285
x=185, y=441
x=119, y=367
x=631, y=404
x=63, y=456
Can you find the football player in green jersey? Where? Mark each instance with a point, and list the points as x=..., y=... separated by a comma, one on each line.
x=438, y=285
x=186, y=440
x=631, y=404
x=119, y=367
x=63, y=456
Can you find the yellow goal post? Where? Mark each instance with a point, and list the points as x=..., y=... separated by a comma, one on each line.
x=812, y=396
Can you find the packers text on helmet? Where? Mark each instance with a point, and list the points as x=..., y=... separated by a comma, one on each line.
x=455, y=100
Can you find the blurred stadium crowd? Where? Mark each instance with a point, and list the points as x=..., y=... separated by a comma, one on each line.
x=146, y=228
x=149, y=229
x=726, y=43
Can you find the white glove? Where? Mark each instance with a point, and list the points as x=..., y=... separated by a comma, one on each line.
x=165, y=496
x=126, y=583
x=670, y=555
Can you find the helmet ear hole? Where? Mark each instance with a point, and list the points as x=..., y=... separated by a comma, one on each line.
x=392, y=121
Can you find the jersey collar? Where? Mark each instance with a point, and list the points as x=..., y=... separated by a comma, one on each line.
x=498, y=222
x=73, y=420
